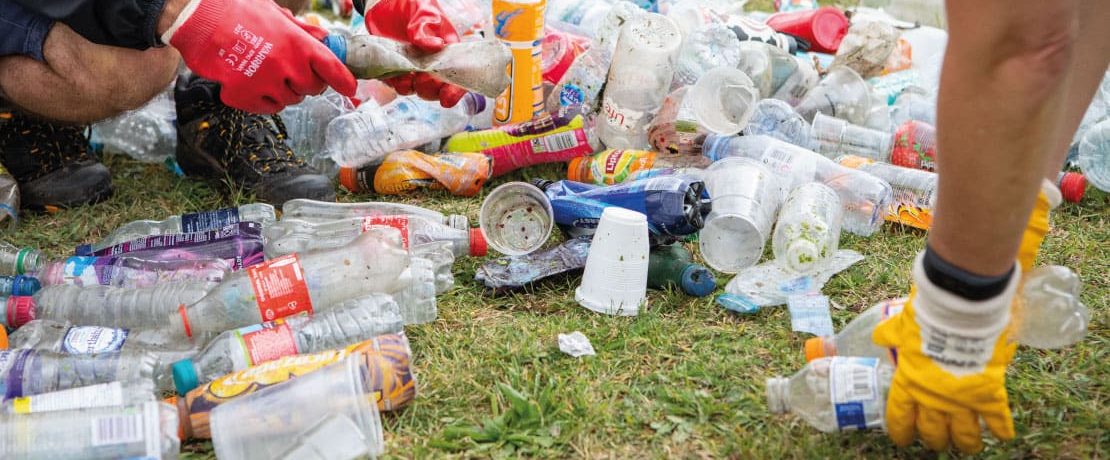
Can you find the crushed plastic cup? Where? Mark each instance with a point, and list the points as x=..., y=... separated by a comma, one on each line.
x=841, y=94
x=723, y=100
x=615, y=280
x=745, y=197
x=327, y=414
x=516, y=218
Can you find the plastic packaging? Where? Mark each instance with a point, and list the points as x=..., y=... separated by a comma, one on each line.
x=516, y=218
x=32, y=372
x=548, y=139
x=261, y=213
x=616, y=166
x=673, y=265
x=746, y=198
x=915, y=191
x=147, y=430
x=834, y=394
x=807, y=233
x=113, y=394
x=294, y=235
x=95, y=305
x=1094, y=155
x=841, y=94
x=9, y=200
x=461, y=174
x=834, y=137
x=915, y=146
x=615, y=280
x=866, y=47
x=516, y=272
x=19, y=261
x=317, y=211
x=352, y=322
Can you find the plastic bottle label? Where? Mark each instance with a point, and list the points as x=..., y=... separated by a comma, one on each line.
x=14, y=362
x=7, y=358
x=279, y=287
x=85, y=340
x=617, y=166
x=398, y=222
x=103, y=395
x=81, y=271
x=853, y=390
x=266, y=342
x=130, y=428
x=209, y=220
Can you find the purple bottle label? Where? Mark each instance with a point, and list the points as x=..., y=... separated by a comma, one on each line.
x=14, y=379
x=209, y=220
x=239, y=244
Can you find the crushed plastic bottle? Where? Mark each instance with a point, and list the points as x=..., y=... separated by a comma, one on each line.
x=321, y=211
x=292, y=235
x=238, y=244
x=834, y=394
x=260, y=213
x=616, y=166
x=1094, y=155
x=548, y=139
x=9, y=200
x=147, y=134
x=98, y=305
x=113, y=394
x=353, y=321
x=32, y=372
x=915, y=191
x=147, y=430
x=307, y=122
x=461, y=174
x=807, y=233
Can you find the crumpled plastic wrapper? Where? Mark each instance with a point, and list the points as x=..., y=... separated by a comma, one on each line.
x=770, y=283
x=576, y=344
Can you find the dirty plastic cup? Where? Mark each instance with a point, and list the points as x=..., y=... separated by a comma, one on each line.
x=745, y=197
x=723, y=100
x=615, y=280
x=841, y=94
x=757, y=63
x=833, y=137
x=778, y=119
x=823, y=28
x=516, y=218
x=807, y=233
x=327, y=414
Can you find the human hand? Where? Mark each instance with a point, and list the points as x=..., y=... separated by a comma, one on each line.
x=423, y=24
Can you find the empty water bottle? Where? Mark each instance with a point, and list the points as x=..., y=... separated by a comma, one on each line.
x=9, y=200
x=915, y=191
x=147, y=430
x=834, y=394
x=292, y=235
x=1094, y=155
x=132, y=272
x=19, y=261
x=808, y=230
x=320, y=211
x=238, y=244
x=261, y=213
x=307, y=122
x=114, y=394
x=114, y=306
x=352, y=322
x=581, y=85
x=32, y=372
x=147, y=134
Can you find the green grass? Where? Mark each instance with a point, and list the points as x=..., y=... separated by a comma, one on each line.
x=683, y=379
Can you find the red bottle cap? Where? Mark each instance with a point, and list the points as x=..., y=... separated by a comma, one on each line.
x=21, y=310
x=823, y=28
x=478, y=246
x=1073, y=186
x=348, y=178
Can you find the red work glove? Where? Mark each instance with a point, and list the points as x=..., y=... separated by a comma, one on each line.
x=423, y=24
x=264, y=58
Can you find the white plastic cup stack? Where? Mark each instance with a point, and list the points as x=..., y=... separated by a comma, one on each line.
x=615, y=280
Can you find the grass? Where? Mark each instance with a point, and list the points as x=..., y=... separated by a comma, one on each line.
x=683, y=379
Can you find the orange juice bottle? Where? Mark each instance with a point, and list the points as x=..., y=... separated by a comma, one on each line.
x=519, y=25
x=615, y=166
x=460, y=174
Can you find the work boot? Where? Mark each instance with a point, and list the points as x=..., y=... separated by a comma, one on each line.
x=215, y=141
x=51, y=162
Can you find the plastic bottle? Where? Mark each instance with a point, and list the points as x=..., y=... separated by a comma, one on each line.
x=238, y=244
x=113, y=394
x=9, y=200
x=915, y=191
x=808, y=230
x=673, y=265
x=548, y=139
x=674, y=205
x=518, y=24
x=639, y=79
x=349, y=323
x=307, y=122
x=32, y=372
x=580, y=88
x=147, y=134
x=19, y=285
x=19, y=261
x=261, y=213
x=1094, y=155
x=915, y=146
x=834, y=394
x=115, y=307
x=292, y=235
x=298, y=283
x=147, y=430
x=778, y=119
x=833, y=137
x=616, y=166
x=461, y=174
x=367, y=135
x=1049, y=316
x=320, y=211
x=132, y=272
x=466, y=15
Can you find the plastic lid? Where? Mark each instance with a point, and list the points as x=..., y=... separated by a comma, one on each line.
x=337, y=44
x=23, y=285
x=814, y=348
x=185, y=376
x=83, y=250
x=478, y=246
x=348, y=178
x=1073, y=186
x=698, y=281
x=577, y=169
x=21, y=310
x=830, y=25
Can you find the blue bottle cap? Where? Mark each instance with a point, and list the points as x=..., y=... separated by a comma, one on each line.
x=185, y=376
x=698, y=281
x=25, y=285
x=338, y=46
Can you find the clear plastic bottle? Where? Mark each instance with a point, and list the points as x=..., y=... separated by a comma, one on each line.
x=147, y=430
x=186, y=223
x=132, y=272
x=19, y=285
x=834, y=394
x=833, y=137
x=147, y=134
x=1049, y=316
x=367, y=135
x=19, y=261
x=116, y=307
x=9, y=200
x=351, y=322
x=298, y=283
x=1094, y=155
x=808, y=230
x=113, y=394
x=580, y=88
x=915, y=191
x=778, y=119
x=292, y=235
x=320, y=211
x=307, y=122
x=32, y=372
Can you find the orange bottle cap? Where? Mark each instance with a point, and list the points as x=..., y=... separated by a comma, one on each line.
x=348, y=179
x=815, y=348
x=577, y=169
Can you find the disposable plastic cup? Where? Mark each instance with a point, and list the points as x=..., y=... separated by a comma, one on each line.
x=723, y=100
x=746, y=197
x=757, y=63
x=516, y=218
x=841, y=94
x=327, y=414
x=807, y=233
x=833, y=137
x=615, y=280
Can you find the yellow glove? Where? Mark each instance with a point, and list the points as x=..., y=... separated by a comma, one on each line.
x=951, y=356
x=1047, y=200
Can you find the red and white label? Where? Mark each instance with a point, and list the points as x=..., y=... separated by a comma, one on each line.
x=398, y=222
x=268, y=342
x=279, y=288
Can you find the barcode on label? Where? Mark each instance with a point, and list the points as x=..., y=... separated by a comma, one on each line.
x=117, y=429
x=860, y=384
x=853, y=379
x=559, y=142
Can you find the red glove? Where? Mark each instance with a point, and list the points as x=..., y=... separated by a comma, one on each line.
x=422, y=23
x=264, y=58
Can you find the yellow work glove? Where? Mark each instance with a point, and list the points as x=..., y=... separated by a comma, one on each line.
x=951, y=356
x=1047, y=200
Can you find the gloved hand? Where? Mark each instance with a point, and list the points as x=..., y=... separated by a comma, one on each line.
x=1049, y=198
x=423, y=24
x=951, y=356
x=264, y=58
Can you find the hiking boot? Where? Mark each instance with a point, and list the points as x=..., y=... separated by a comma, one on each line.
x=51, y=162
x=215, y=141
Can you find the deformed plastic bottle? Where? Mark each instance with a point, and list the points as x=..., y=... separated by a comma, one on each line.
x=261, y=213
x=320, y=211
x=616, y=166
x=9, y=200
x=808, y=230
x=580, y=87
x=293, y=235
x=97, y=305
x=239, y=244
x=147, y=430
x=307, y=122
x=19, y=285
x=461, y=174
x=548, y=139
x=352, y=322
x=834, y=394
x=32, y=372
x=113, y=394
x=146, y=134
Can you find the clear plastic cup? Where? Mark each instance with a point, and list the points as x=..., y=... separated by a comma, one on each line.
x=723, y=100
x=516, y=218
x=833, y=137
x=746, y=197
x=328, y=414
x=615, y=280
x=841, y=94
x=807, y=233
